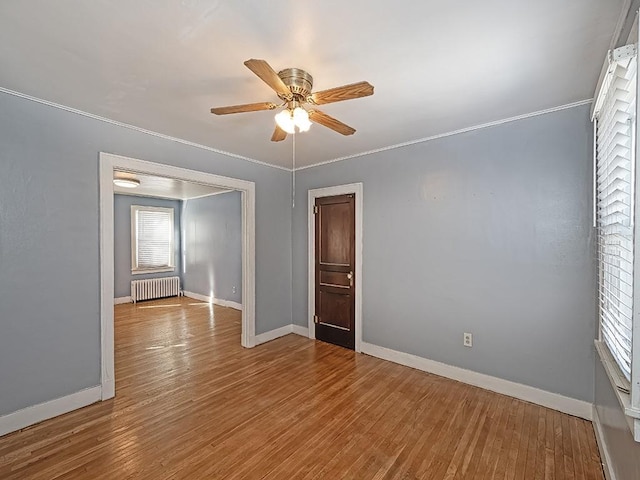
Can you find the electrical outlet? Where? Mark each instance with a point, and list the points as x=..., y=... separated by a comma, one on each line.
x=467, y=340
x=233, y=290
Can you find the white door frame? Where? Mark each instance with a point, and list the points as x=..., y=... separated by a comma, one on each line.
x=109, y=163
x=355, y=188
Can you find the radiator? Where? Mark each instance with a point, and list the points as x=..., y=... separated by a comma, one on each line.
x=155, y=288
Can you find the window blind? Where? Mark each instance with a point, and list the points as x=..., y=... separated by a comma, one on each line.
x=615, y=173
x=154, y=239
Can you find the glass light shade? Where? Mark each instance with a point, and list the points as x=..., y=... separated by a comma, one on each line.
x=126, y=182
x=303, y=125
x=301, y=119
x=300, y=116
x=285, y=121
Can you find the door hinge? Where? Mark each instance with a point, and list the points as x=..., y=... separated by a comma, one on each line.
x=316, y=319
x=315, y=209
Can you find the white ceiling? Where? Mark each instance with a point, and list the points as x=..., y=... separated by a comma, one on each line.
x=437, y=66
x=161, y=187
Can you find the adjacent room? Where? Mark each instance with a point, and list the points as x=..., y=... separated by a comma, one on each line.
x=177, y=253
x=186, y=233
x=319, y=240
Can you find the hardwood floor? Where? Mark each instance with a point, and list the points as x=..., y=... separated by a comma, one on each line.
x=192, y=404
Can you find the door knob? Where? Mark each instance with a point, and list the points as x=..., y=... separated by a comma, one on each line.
x=350, y=277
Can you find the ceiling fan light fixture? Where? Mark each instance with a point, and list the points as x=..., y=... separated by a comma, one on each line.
x=126, y=182
x=304, y=125
x=285, y=121
x=301, y=119
x=300, y=115
x=289, y=119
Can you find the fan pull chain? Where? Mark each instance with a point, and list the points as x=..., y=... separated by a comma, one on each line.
x=293, y=173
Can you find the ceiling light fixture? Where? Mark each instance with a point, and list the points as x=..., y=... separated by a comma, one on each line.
x=289, y=119
x=126, y=182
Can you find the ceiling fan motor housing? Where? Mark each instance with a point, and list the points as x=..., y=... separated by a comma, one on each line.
x=299, y=82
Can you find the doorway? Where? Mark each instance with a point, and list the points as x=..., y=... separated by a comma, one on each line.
x=110, y=163
x=335, y=265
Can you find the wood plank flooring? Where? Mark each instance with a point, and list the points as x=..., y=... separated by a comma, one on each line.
x=192, y=404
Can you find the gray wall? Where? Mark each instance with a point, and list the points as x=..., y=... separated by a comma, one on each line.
x=487, y=232
x=212, y=243
x=49, y=264
x=122, y=240
x=624, y=451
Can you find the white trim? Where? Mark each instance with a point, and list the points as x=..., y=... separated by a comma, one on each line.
x=205, y=195
x=635, y=212
x=109, y=163
x=153, y=270
x=227, y=303
x=137, y=129
x=281, y=332
x=605, y=456
x=134, y=240
x=273, y=334
x=260, y=162
x=43, y=411
x=107, y=354
x=197, y=296
x=216, y=301
x=449, y=134
x=611, y=368
x=594, y=147
x=166, y=197
x=357, y=190
x=555, y=401
x=121, y=300
x=298, y=330
x=604, y=72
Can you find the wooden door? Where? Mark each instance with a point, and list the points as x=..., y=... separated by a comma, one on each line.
x=335, y=269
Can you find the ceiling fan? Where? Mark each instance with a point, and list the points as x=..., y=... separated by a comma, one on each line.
x=293, y=86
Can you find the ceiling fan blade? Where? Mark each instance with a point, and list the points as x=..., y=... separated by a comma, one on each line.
x=268, y=75
x=338, y=94
x=278, y=135
x=328, y=121
x=248, y=107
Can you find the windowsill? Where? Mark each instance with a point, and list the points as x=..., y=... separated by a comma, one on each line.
x=632, y=415
x=153, y=270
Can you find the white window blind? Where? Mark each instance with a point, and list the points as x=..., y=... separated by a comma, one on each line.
x=152, y=239
x=614, y=178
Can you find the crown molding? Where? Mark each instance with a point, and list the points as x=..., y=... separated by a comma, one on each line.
x=137, y=129
x=454, y=132
x=324, y=162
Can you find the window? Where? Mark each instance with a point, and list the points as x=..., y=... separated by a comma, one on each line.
x=614, y=180
x=152, y=238
x=614, y=114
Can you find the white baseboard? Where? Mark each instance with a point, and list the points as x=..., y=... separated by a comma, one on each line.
x=605, y=456
x=281, y=332
x=197, y=296
x=555, y=401
x=217, y=301
x=119, y=300
x=227, y=303
x=43, y=411
x=298, y=330
x=273, y=334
